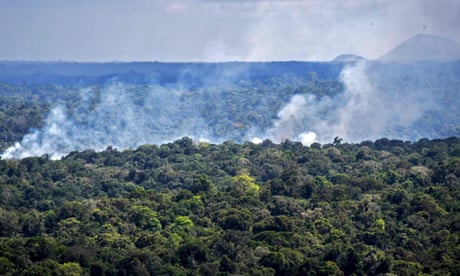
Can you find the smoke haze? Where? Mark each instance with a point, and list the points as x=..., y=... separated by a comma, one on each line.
x=360, y=112
x=112, y=117
x=125, y=116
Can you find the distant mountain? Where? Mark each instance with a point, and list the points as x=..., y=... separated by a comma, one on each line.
x=423, y=47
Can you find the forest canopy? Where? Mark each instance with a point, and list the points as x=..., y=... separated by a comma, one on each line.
x=230, y=169
x=239, y=102
x=181, y=208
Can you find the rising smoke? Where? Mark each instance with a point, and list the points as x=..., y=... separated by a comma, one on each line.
x=112, y=116
x=120, y=116
x=361, y=112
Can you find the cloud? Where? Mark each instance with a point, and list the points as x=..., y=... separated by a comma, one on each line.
x=163, y=30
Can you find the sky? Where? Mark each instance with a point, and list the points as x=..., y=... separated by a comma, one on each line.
x=216, y=30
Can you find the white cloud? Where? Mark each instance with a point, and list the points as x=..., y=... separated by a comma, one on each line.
x=190, y=29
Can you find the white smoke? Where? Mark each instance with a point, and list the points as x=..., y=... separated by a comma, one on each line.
x=307, y=138
x=290, y=120
x=33, y=145
x=360, y=112
x=112, y=116
x=256, y=140
x=125, y=117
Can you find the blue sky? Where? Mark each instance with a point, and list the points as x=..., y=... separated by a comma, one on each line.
x=216, y=30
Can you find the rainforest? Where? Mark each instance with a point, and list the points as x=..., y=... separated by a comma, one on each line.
x=387, y=207
x=348, y=167
x=229, y=137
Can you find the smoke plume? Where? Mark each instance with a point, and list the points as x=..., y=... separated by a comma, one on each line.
x=125, y=116
x=112, y=116
x=361, y=112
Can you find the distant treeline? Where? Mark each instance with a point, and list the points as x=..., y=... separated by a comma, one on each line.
x=196, y=74
x=188, y=74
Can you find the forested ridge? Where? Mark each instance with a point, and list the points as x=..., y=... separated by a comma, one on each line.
x=185, y=208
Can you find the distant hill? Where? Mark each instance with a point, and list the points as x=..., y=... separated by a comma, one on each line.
x=348, y=58
x=423, y=47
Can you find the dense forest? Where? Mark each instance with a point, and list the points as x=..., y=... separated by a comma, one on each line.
x=224, y=111
x=225, y=102
x=185, y=208
x=95, y=178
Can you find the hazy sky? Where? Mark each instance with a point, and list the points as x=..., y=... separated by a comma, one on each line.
x=216, y=30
